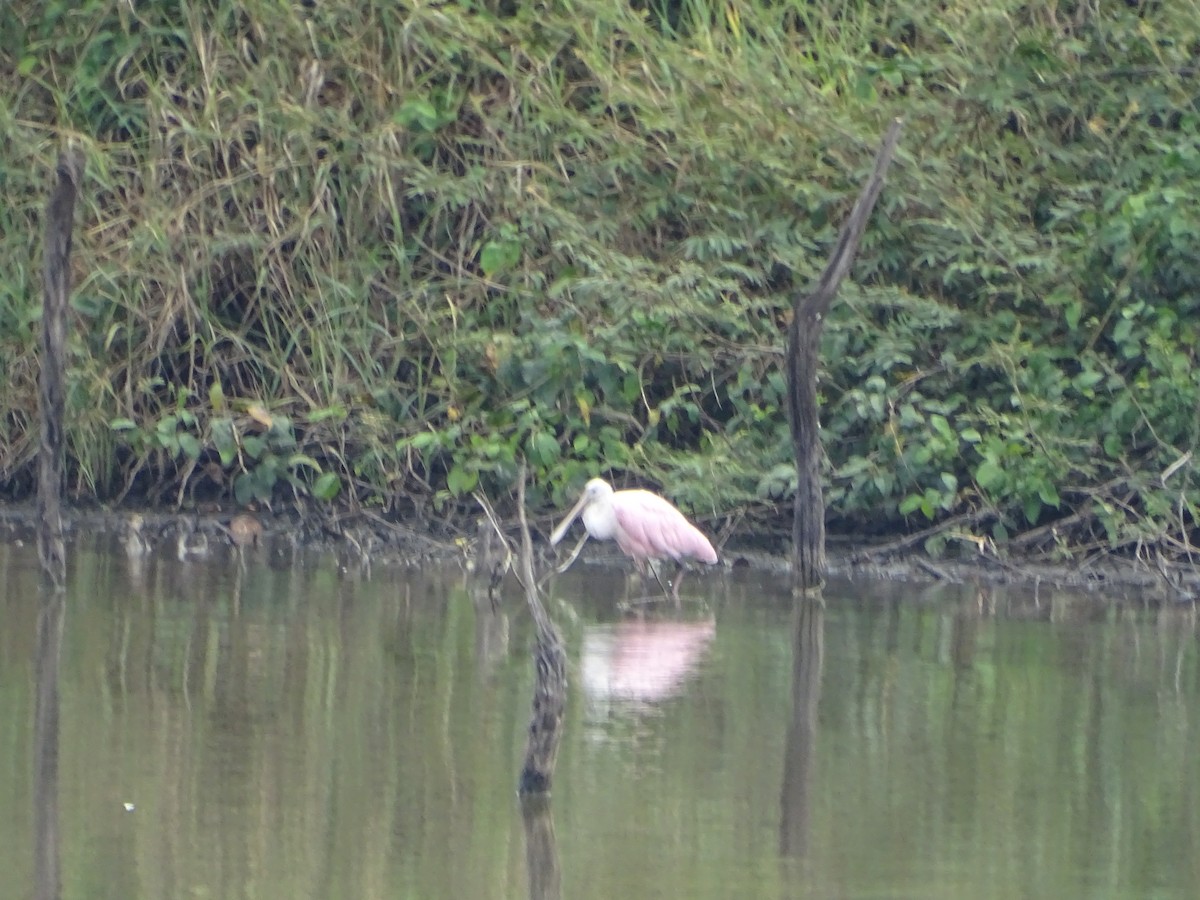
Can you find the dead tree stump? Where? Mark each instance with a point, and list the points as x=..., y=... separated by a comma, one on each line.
x=803, y=359
x=549, y=701
x=549, y=656
x=550, y=670
x=56, y=290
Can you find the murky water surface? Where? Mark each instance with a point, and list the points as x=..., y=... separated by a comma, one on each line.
x=277, y=732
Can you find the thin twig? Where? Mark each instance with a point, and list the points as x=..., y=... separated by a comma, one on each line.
x=501, y=569
x=558, y=570
x=486, y=505
x=525, y=574
x=971, y=518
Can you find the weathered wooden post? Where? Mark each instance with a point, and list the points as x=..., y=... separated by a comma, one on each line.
x=56, y=290
x=550, y=669
x=549, y=656
x=804, y=347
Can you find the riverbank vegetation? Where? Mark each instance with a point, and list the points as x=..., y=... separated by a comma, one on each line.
x=372, y=254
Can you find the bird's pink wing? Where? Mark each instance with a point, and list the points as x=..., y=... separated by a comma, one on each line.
x=650, y=527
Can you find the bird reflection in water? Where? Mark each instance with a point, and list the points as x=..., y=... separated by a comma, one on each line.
x=632, y=666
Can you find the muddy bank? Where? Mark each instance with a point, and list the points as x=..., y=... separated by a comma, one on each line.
x=365, y=538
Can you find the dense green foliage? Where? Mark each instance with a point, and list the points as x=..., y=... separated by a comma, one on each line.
x=375, y=251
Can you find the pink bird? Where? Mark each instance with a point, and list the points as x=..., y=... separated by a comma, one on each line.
x=644, y=525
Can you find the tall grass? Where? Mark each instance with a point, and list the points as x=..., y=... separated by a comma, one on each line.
x=390, y=249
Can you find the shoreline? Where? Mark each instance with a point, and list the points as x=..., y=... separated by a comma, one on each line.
x=370, y=538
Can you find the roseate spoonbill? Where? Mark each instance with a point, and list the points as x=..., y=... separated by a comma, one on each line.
x=644, y=525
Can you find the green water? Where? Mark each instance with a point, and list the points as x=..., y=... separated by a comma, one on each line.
x=285, y=731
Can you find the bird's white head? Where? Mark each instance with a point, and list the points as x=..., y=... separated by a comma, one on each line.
x=594, y=490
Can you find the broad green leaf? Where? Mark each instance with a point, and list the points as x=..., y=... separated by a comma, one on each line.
x=189, y=445
x=1048, y=494
x=499, y=256
x=223, y=439
x=461, y=481
x=254, y=446
x=989, y=475
x=942, y=427
x=327, y=486
x=1032, y=509
x=543, y=448
x=244, y=489
x=417, y=113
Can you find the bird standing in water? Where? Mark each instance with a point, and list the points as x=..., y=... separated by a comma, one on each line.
x=644, y=525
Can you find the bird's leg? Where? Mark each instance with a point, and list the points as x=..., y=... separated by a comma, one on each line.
x=657, y=577
x=635, y=582
x=679, y=573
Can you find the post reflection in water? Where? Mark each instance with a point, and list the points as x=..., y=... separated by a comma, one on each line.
x=808, y=642
x=541, y=848
x=491, y=631
x=46, y=871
